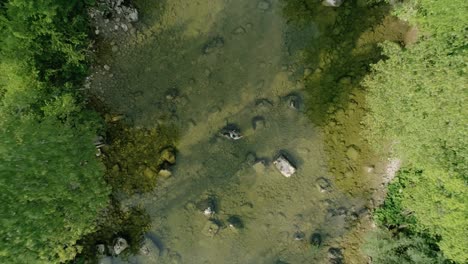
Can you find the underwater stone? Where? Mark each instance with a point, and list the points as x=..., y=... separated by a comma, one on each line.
x=101, y=249
x=298, y=236
x=231, y=133
x=316, y=239
x=213, y=44
x=335, y=255
x=324, y=184
x=165, y=173
x=120, y=245
x=332, y=3
x=294, y=101
x=352, y=153
x=235, y=222
x=168, y=155
x=284, y=166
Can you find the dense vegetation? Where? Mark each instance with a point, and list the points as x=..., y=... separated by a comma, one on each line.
x=51, y=184
x=416, y=99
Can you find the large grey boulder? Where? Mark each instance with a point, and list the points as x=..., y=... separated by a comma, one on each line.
x=284, y=166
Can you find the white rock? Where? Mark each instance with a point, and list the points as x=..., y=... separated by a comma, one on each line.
x=124, y=27
x=332, y=3
x=284, y=166
x=120, y=245
x=208, y=212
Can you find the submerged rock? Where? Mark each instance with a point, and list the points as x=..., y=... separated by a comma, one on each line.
x=316, y=239
x=213, y=44
x=101, y=249
x=335, y=255
x=299, y=236
x=332, y=3
x=284, y=166
x=120, y=245
x=168, y=155
x=208, y=211
x=324, y=184
x=231, y=132
x=294, y=101
x=235, y=222
x=165, y=173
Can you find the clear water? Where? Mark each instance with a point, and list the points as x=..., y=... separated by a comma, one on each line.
x=200, y=65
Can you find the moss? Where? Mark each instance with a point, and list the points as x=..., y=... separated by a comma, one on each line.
x=136, y=155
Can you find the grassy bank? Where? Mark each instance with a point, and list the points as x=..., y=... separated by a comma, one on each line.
x=416, y=97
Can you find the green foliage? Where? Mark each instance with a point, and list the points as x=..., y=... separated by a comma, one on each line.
x=416, y=100
x=438, y=199
x=392, y=214
x=51, y=189
x=385, y=248
x=51, y=184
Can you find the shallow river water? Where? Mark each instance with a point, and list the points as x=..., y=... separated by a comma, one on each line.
x=201, y=65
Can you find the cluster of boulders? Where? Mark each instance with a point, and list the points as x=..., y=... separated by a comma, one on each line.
x=113, y=15
x=117, y=247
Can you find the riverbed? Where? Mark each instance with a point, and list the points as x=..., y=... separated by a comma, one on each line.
x=200, y=66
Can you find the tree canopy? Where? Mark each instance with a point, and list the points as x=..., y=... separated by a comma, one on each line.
x=51, y=184
x=416, y=100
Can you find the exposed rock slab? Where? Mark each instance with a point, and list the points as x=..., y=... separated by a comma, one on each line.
x=284, y=166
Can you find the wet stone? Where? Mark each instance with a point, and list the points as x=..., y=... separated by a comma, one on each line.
x=165, y=173
x=299, y=236
x=235, y=222
x=294, y=101
x=335, y=255
x=168, y=155
x=352, y=153
x=120, y=245
x=231, y=132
